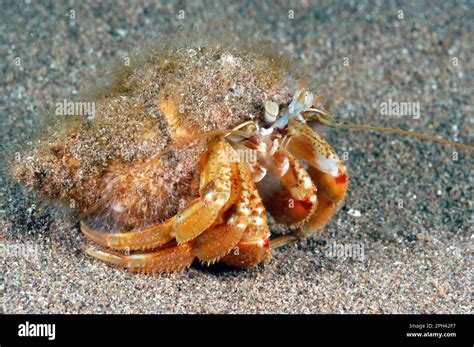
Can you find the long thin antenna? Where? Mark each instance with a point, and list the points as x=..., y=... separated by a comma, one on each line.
x=326, y=119
x=401, y=132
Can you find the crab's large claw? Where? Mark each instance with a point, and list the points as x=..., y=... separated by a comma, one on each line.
x=306, y=144
x=331, y=193
x=327, y=171
x=297, y=202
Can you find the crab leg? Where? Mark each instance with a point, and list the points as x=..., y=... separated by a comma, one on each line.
x=327, y=171
x=143, y=239
x=215, y=191
x=332, y=191
x=298, y=201
x=169, y=259
x=219, y=240
x=253, y=247
x=306, y=144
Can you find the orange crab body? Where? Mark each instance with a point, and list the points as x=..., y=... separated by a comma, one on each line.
x=183, y=158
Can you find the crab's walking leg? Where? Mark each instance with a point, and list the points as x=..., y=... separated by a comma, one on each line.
x=169, y=259
x=217, y=177
x=327, y=171
x=306, y=144
x=332, y=191
x=215, y=190
x=143, y=239
x=253, y=248
x=298, y=201
x=219, y=240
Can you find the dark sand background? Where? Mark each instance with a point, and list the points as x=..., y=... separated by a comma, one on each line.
x=418, y=257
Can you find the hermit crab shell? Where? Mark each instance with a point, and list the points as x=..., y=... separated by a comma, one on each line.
x=107, y=165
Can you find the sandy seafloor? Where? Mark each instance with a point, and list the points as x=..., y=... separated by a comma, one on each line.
x=417, y=254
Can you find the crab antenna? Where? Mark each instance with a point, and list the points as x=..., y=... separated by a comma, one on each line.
x=401, y=132
x=326, y=119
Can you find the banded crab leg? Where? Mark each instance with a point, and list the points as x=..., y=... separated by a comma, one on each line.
x=216, y=181
x=253, y=248
x=295, y=205
x=220, y=239
x=149, y=238
x=168, y=259
x=215, y=191
x=327, y=171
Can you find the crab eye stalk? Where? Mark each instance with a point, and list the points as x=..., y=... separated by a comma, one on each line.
x=271, y=111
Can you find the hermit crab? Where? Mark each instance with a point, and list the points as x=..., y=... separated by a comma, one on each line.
x=184, y=155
